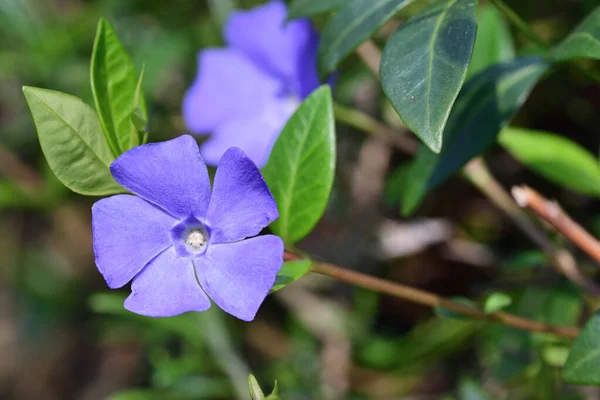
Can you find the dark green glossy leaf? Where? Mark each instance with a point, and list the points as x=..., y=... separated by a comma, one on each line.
x=424, y=65
x=556, y=158
x=291, y=271
x=582, y=42
x=71, y=138
x=301, y=167
x=116, y=89
x=308, y=8
x=493, y=43
x=583, y=365
x=485, y=105
x=354, y=23
x=495, y=302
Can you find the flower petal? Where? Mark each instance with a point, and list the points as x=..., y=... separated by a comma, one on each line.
x=238, y=276
x=228, y=84
x=128, y=232
x=171, y=175
x=241, y=204
x=255, y=135
x=166, y=287
x=284, y=48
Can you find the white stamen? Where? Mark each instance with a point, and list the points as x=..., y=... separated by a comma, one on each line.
x=196, y=239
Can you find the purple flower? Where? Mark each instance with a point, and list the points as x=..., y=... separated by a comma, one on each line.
x=244, y=94
x=180, y=243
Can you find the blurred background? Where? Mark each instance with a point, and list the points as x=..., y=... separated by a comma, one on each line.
x=64, y=335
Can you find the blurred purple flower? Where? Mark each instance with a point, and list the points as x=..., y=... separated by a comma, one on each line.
x=180, y=243
x=245, y=93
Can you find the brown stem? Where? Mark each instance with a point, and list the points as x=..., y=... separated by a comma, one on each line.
x=433, y=300
x=551, y=212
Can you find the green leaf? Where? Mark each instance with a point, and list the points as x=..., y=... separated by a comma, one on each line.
x=424, y=65
x=493, y=43
x=485, y=105
x=554, y=157
x=308, y=8
x=582, y=42
x=291, y=271
x=301, y=167
x=471, y=390
x=115, y=87
x=496, y=302
x=255, y=391
x=354, y=23
x=583, y=365
x=71, y=138
x=275, y=393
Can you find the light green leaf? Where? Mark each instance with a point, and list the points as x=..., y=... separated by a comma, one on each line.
x=301, y=167
x=485, y=105
x=556, y=158
x=291, y=271
x=71, y=138
x=275, y=393
x=354, y=23
x=583, y=365
x=496, y=302
x=493, y=43
x=116, y=89
x=424, y=65
x=308, y=8
x=582, y=42
x=255, y=391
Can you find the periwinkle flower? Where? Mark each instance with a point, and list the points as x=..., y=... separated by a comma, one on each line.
x=180, y=243
x=245, y=93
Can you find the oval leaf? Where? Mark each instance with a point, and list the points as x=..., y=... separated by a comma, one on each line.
x=556, y=158
x=493, y=43
x=354, y=23
x=291, y=271
x=308, y=8
x=486, y=103
x=424, y=65
x=301, y=167
x=582, y=42
x=115, y=88
x=583, y=365
x=255, y=391
x=495, y=302
x=72, y=141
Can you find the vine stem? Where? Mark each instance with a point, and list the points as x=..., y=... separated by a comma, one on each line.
x=477, y=173
x=551, y=212
x=423, y=297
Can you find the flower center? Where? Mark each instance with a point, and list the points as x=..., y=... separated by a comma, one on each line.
x=190, y=237
x=195, y=239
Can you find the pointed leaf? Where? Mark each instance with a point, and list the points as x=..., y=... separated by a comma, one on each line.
x=308, y=8
x=71, y=138
x=115, y=87
x=290, y=272
x=556, y=158
x=255, y=391
x=424, y=65
x=493, y=43
x=486, y=103
x=582, y=42
x=301, y=167
x=583, y=365
x=354, y=23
